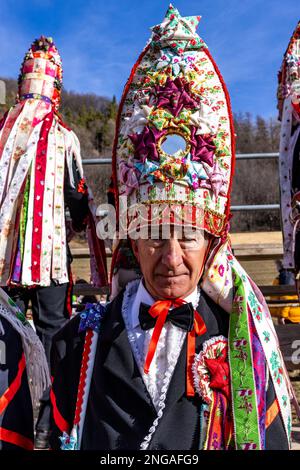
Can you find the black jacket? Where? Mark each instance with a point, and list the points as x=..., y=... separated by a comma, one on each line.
x=120, y=410
x=76, y=198
x=16, y=415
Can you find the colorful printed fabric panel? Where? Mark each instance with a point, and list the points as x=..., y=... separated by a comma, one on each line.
x=212, y=380
x=259, y=363
x=175, y=140
x=226, y=282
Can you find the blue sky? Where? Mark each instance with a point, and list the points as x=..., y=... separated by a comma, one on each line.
x=100, y=40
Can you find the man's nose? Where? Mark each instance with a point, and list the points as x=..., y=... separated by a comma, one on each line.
x=172, y=254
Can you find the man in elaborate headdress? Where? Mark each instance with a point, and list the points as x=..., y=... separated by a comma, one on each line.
x=40, y=173
x=184, y=357
x=288, y=96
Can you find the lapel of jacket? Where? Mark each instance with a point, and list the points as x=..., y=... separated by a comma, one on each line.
x=117, y=358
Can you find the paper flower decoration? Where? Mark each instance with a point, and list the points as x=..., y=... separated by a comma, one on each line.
x=205, y=120
x=177, y=32
x=177, y=63
x=174, y=96
x=129, y=176
x=211, y=369
x=135, y=123
x=202, y=147
x=145, y=143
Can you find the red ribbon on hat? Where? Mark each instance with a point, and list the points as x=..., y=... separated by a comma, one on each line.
x=160, y=310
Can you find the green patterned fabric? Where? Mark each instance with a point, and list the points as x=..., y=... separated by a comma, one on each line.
x=24, y=214
x=245, y=414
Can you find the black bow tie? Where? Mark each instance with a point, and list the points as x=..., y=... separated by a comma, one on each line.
x=182, y=316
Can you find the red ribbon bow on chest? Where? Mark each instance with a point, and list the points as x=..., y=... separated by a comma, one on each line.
x=159, y=311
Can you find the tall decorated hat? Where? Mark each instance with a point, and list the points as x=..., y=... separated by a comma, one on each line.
x=174, y=149
x=41, y=72
x=174, y=142
x=288, y=96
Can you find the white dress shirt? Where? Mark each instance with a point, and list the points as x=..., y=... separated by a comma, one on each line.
x=168, y=347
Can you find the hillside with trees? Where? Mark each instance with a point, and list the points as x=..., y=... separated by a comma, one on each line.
x=256, y=181
x=93, y=117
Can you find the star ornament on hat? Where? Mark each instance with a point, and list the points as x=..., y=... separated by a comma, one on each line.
x=174, y=141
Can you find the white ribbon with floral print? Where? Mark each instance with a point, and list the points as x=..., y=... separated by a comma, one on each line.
x=59, y=271
x=6, y=155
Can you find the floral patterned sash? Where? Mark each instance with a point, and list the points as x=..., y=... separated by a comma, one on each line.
x=227, y=283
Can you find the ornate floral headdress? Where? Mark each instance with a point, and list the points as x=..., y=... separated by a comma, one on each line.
x=174, y=139
x=41, y=72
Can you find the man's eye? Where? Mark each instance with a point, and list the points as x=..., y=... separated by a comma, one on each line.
x=155, y=243
x=189, y=243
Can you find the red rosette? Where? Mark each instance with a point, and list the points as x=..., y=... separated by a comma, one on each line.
x=211, y=369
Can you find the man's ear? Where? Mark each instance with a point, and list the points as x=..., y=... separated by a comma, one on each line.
x=134, y=246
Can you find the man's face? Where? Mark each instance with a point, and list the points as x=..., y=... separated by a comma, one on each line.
x=171, y=267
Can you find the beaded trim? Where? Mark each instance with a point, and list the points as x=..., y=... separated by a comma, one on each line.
x=210, y=220
x=35, y=96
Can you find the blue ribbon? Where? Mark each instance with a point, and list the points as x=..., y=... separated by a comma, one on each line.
x=91, y=317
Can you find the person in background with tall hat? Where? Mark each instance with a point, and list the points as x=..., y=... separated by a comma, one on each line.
x=40, y=175
x=22, y=357
x=184, y=357
x=288, y=96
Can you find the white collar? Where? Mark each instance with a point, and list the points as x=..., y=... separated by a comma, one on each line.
x=142, y=295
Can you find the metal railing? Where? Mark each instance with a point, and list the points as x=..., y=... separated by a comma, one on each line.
x=267, y=291
x=256, y=156
x=239, y=156
x=255, y=207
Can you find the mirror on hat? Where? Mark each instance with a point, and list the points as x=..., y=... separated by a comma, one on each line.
x=173, y=145
x=173, y=149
